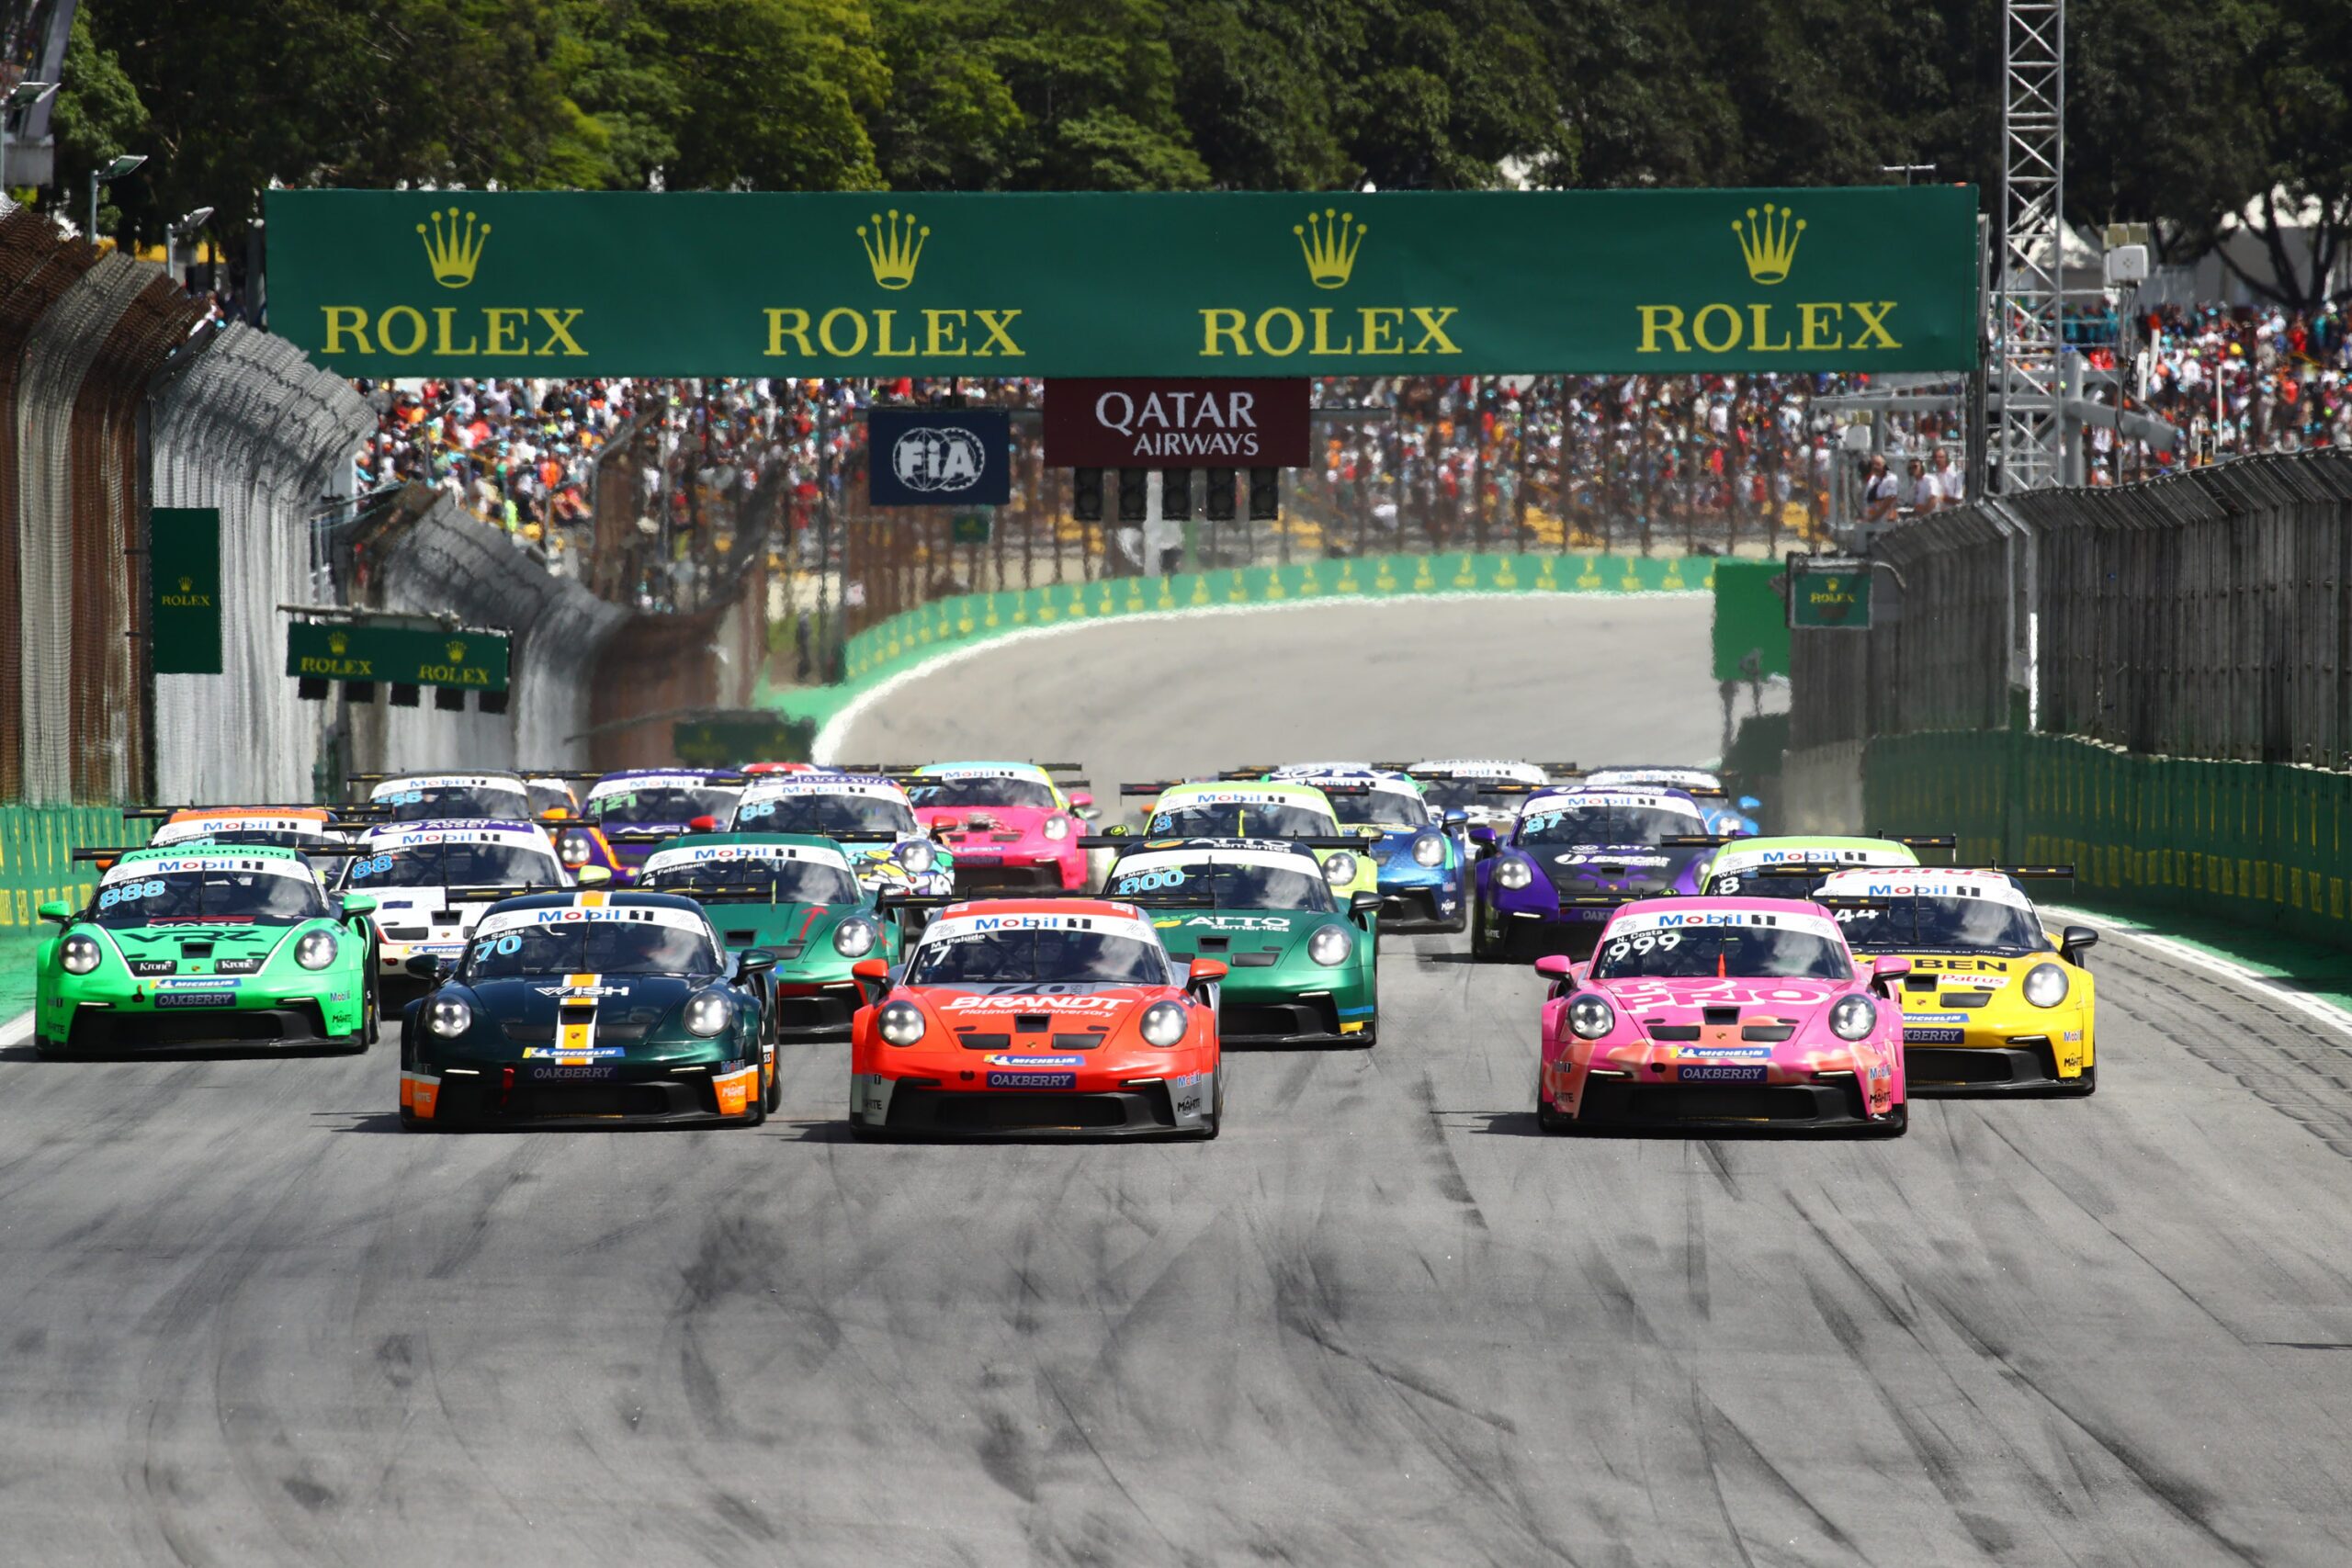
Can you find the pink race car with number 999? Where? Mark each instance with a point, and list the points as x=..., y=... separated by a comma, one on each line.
x=1723, y=1013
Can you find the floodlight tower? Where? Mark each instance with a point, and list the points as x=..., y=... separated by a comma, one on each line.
x=2028, y=325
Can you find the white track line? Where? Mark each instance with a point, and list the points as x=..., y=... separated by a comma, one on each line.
x=828, y=740
x=17, y=1029
x=2267, y=987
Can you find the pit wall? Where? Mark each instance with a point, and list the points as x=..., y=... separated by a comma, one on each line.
x=909, y=640
x=2258, y=845
x=35, y=865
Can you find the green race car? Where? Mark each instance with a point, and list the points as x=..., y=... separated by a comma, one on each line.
x=798, y=897
x=1259, y=809
x=206, y=945
x=1302, y=959
x=1794, y=865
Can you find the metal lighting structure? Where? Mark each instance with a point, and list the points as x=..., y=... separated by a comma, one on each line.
x=2029, y=328
x=22, y=96
x=113, y=172
x=185, y=230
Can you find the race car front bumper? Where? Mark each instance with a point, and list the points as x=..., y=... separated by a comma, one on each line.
x=1290, y=1019
x=1414, y=897
x=500, y=1096
x=806, y=1014
x=2017, y=1064
x=930, y=1107
x=979, y=875
x=1776, y=1107
x=97, y=1029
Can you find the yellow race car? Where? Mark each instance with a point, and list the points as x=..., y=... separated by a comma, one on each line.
x=1993, y=1003
x=1261, y=809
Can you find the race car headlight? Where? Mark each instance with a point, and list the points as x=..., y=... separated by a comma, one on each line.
x=1058, y=828
x=80, y=953
x=316, y=950
x=901, y=1024
x=1341, y=869
x=705, y=1013
x=1513, y=874
x=1428, y=849
x=853, y=938
x=1853, y=1018
x=448, y=1016
x=1329, y=946
x=1591, y=1017
x=572, y=848
x=1163, y=1024
x=916, y=855
x=2045, y=986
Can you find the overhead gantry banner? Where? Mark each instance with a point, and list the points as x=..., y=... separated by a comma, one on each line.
x=400, y=283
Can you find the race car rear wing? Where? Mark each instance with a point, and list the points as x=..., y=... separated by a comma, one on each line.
x=158, y=812
x=198, y=845
x=1698, y=841
x=2041, y=872
x=491, y=893
x=1947, y=843
x=639, y=835
x=1557, y=770
x=898, y=768
x=433, y=773
x=937, y=900
x=1117, y=840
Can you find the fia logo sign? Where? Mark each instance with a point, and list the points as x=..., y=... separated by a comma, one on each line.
x=947, y=461
x=938, y=456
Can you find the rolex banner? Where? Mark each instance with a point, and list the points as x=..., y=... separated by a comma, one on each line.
x=470, y=660
x=403, y=283
x=184, y=590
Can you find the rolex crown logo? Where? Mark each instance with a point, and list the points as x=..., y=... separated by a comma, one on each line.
x=454, y=252
x=456, y=650
x=187, y=585
x=337, y=643
x=893, y=248
x=1329, y=249
x=1769, y=244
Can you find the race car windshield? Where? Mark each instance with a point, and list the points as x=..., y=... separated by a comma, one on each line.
x=1966, y=925
x=1737, y=952
x=1228, y=819
x=239, y=897
x=550, y=797
x=455, y=865
x=1751, y=883
x=982, y=792
x=1603, y=825
x=274, y=837
x=1380, y=808
x=1230, y=887
x=604, y=947
x=453, y=803
x=784, y=881
x=1453, y=795
x=823, y=814
x=1038, y=958
x=649, y=808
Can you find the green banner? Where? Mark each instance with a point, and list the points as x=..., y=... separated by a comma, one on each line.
x=408, y=282
x=1751, y=630
x=474, y=661
x=1827, y=594
x=184, y=588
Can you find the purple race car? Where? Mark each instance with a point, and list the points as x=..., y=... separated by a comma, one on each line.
x=638, y=807
x=1572, y=857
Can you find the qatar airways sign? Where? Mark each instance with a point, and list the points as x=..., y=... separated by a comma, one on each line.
x=1192, y=423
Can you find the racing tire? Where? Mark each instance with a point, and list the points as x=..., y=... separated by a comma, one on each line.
x=48, y=1049
x=375, y=1012
x=772, y=1098
x=1214, y=1123
x=356, y=1043
x=1898, y=1121
x=2082, y=1087
x=1481, y=946
x=756, y=1112
x=412, y=1123
x=1546, y=1118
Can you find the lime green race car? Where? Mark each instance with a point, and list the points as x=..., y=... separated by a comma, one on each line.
x=1298, y=813
x=1793, y=866
x=798, y=897
x=206, y=945
x=1302, y=964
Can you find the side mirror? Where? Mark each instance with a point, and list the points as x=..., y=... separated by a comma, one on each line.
x=1484, y=835
x=1121, y=831
x=1748, y=803
x=1365, y=904
x=591, y=875
x=56, y=910
x=1080, y=799
x=425, y=966
x=356, y=904
x=872, y=977
x=2074, y=939
x=1887, y=972
x=706, y=823
x=1557, y=966
x=1454, y=817
x=1205, y=972
x=755, y=961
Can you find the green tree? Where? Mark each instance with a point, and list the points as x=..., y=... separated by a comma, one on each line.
x=771, y=95
x=97, y=117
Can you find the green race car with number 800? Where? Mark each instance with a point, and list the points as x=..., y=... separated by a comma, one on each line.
x=198, y=945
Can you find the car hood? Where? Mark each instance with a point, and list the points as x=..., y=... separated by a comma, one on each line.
x=516, y=1018
x=1724, y=1005
x=230, y=943
x=1068, y=1009
x=975, y=825
x=1226, y=934
x=784, y=929
x=1634, y=869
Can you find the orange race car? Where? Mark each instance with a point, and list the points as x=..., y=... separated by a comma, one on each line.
x=1035, y=1018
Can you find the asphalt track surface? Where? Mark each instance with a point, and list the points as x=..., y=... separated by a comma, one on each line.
x=243, y=1319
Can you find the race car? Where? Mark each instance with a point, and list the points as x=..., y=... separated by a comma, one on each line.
x=1572, y=857
x=447, y=797
x=1010, y=825
x=1302, y=967
x=1722, y=812
x=314, y=829
x=640, y=808
x=1722, y=1013
x=1793, y=866
x=757, y=770
x=552, y=797
x=587, y=1009
x=867, y=815
x=1218, y=808
x=1421, y=868
x=1465, y=784
x=205, y=945
x=1992, y=1004
x=411, y=868
x=797, y=898
x=1038, y=1017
